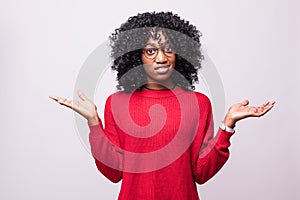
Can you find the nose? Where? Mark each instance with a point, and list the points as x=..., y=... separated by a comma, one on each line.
x=161, y=57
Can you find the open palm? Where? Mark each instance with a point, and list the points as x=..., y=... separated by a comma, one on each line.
x=242, y=110
x=236, y=112
x=84, y=106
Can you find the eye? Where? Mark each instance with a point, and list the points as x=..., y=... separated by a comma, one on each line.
x=168, y=49
x=150, y=51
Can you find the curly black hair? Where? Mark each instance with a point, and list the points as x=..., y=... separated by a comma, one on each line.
x=128, y=41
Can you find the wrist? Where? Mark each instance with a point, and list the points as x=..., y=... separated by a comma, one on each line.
x=229, y=122
x=93, y=121
x=226, y=128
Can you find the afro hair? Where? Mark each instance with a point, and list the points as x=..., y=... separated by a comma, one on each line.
x=127, y=43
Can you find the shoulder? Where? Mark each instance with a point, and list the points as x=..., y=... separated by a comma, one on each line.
x=203, y=102
x=119, y=97
x=202, y=98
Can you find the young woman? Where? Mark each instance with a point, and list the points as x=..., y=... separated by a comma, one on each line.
x=158, y=136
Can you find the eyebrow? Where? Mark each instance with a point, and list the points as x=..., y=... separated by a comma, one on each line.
x=154, y=45
x=151, y=44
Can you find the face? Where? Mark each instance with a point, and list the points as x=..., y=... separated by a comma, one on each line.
x=159, y=60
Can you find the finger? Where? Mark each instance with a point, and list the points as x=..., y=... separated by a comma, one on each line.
x=260, y=108
x=266, y=103
x=58, y=99
x=53, y=97
x=69, y=103
x=253, y=110
x=81, y=95
x=263, y=106
x=269, y=103
x=66, y=102
x=266, y=109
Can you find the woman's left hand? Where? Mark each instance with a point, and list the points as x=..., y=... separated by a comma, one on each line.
x=241, y=110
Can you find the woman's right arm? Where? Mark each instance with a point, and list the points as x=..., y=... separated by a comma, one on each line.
x=105, y=146
x=104, y=141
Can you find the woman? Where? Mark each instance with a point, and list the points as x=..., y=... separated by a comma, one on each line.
x=160, y=132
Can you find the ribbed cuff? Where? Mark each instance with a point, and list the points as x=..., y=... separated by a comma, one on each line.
x=224, y=136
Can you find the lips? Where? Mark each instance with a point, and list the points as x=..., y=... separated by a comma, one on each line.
x=161, y=67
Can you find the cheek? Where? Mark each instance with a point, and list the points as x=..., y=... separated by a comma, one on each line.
x=148, y=69
x=145, y=60
x=173, y=61
x=147, y=65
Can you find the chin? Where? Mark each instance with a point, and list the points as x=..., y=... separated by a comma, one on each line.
x=161, y=78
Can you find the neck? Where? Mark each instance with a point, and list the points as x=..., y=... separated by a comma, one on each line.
x=155, y=86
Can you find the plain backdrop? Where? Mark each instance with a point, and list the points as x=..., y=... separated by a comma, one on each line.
x=254, y=45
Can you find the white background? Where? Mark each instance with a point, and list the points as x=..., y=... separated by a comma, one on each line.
x=254, y=45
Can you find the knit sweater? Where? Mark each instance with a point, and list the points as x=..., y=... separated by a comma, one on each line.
x=159, y=143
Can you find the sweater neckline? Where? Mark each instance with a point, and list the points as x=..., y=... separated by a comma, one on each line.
x=159, y=93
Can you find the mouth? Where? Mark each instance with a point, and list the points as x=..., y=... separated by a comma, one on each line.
x=162, y=69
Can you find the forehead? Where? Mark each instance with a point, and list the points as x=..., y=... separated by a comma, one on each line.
x=157, y=38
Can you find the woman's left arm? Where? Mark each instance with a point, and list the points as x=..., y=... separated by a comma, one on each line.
x=214, y=150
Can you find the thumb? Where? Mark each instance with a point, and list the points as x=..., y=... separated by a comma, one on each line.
x=245, y=102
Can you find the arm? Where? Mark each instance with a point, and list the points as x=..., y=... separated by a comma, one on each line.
x=212, y=158
x=105, y=146
x=214, y=150
x=104, y=142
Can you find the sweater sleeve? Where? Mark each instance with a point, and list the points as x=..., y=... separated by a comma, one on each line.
x=105, y=146
x=214, y=150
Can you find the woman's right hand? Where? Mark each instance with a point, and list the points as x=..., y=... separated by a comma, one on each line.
x=84, y=107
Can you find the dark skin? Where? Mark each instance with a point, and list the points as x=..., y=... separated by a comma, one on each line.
x=158, y=73
x=236, y=112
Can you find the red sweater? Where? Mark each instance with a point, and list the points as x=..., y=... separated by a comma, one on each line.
x=159, y=152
